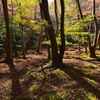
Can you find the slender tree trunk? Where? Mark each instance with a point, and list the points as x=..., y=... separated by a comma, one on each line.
x=56, y=15
x=79, y=37
x=96, y=24
x=92, y=54
x=29, y=36
x=62, y=46
x=23, y=42
x=8, y=33
x=51, y=34
x=39, y=41
x=48, y=46
x=99, y=40
x=41, y=32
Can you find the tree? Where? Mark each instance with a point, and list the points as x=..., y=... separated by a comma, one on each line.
x=56, y=15
x=41, y=32
x=56, y=57
x=50, y=30
x=8, y=33
x=23, y=17
x=62, y=46
x=84, y=29
x=92, y=48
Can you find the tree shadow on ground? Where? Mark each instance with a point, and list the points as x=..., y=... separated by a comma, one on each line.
x=16, y=89
x=80, y=77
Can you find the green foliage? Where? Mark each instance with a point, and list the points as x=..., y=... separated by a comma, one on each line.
x=58, y=39
x=49, y=64
x=46, y=42
x=32, y=73
x=24, y=14
x=77, y=27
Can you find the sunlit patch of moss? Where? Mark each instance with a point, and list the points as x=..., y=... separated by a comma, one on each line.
x=87, y=57
x=91, y=66
x=34, y=87
x=50, y=95
x=70, y=85
x=92, y=82
x=83, y=95
x=62, y=95
x=98, y=55
x=60, y=74
x=90, y=96
x=88, y=72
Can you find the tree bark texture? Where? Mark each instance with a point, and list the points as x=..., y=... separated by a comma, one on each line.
x=62, y=46
x=51, y=32
x=56, y=15
x=8, y=33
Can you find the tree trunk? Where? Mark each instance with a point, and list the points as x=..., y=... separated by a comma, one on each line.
x=96, y=29
x=99, y=40
x=8, y=33
x=48, y=46
x=41, y=32
x=84, y=29
x=62, y=46
x=79, y=37
x=51, y=34
x=39, y=41
x=92, y=52
x=23, y=42
x=56, y=15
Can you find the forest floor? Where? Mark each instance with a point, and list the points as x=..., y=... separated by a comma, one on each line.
x=79, y=79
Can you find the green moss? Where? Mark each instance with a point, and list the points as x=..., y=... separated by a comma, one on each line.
x=91, y=66
x=82, y=94
x=70, y=85
x=34, y=87
x=59, y=74
x=51, y=95
x=87, y=57
x=92, y=82
x=62, y=95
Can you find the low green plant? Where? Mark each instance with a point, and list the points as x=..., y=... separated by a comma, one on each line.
x=32, y=73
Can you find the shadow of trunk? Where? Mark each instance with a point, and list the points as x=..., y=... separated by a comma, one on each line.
x=16, y=89
x=79, y=77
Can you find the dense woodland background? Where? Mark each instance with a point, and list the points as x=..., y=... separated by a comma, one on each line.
x=49, y=51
